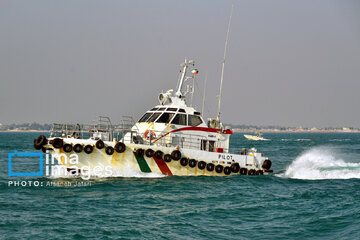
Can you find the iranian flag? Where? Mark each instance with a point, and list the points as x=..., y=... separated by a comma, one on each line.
x=194, y=71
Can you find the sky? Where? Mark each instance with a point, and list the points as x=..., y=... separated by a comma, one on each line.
x=289, y=63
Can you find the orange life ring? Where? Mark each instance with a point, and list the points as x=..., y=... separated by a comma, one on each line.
x=149, y=135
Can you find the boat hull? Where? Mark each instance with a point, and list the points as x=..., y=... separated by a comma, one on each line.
x=128, y=163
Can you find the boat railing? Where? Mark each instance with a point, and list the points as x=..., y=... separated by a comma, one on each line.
x=171, y=139
x=126, y=133
x=67, y=130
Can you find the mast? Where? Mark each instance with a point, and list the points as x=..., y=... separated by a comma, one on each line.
x=223, y=63
x=183, y=73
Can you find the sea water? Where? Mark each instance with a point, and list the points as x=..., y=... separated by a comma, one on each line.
x=312, y=194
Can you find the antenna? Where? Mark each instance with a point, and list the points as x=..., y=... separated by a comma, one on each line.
x=223, y=63
x=203, y=100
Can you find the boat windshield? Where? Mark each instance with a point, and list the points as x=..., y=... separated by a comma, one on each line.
x=165, y=117
x=179, y=119
x=145, y=117
x=153, y=117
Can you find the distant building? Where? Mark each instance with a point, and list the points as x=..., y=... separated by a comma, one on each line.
x=346, y=129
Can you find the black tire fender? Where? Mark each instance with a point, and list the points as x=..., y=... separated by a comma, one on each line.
x=67, y=147
x=88, y=149
x=227, y=170
x=167, y=158
x=201, y=165
x=78, y=148
x=176, y=155
x=210, y=167
x=100, y=144
x=58, y=143
x=243, y=171
x=219, y=168
x=149, y=153
x=109, y=150
x=140, y=152
x=192, y=163
x=120, y=147
x=158, y=154
x=235, y=167
x=184, y=162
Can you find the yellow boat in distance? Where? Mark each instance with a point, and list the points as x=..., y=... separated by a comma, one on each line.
x=256, y=137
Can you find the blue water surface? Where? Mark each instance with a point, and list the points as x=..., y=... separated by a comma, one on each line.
x=320, y=202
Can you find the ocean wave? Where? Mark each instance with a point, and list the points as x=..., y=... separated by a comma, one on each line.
x=321, y=163
x=297, y=140
x=340, y=140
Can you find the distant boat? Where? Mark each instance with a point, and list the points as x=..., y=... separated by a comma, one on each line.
x=256, y=137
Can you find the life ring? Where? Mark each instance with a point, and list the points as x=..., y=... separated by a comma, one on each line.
x=149, y=135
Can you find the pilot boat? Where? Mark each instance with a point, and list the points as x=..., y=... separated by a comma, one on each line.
x=172, y=138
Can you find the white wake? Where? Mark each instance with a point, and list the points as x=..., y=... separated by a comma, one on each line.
x=321, y=163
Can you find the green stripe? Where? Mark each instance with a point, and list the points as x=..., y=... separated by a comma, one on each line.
x=144, y=167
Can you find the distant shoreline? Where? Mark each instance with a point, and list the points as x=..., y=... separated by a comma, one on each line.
x=23, y=131
x=234, y=130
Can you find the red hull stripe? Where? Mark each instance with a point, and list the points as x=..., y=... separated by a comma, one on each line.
x=203, y=129
x=163, y=166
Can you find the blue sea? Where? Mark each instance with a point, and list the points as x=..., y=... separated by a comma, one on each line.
x=312, y=194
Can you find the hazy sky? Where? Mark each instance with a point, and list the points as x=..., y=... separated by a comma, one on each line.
x=289, y=63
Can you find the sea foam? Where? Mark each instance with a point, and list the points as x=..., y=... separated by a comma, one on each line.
x=321, y=163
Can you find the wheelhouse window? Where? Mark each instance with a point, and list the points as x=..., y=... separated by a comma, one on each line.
x=145, y=117
x=181, y=110
x=154, y=109
x=172, y=109
x=194, y=120
x=161, y=109
x=179, y=119
x=165, y=117
x=211, y=146
x=203, y=145
x=153, y=117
